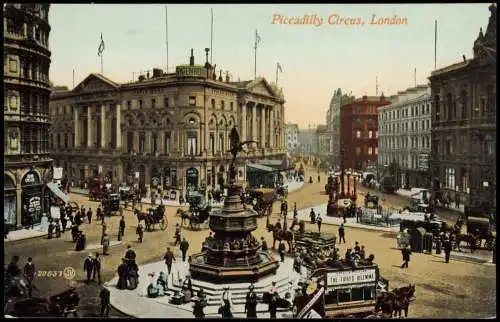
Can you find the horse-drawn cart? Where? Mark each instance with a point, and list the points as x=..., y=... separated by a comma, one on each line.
x=111, y=204
x=481, y=228
x=262, y=200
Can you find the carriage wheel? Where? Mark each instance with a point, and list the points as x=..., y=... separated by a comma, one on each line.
x=163, y=223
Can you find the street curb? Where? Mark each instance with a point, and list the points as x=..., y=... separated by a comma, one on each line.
x=6, y=241
x=467, y=259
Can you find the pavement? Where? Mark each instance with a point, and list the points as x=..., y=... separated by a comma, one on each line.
x=409, y=192
x=135, y=303
x=303, y=214
x=25, y=234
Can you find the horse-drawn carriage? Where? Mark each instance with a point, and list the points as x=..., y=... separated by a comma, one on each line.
x=282, y=192
x=97, y=189
x=111, y=204
x=481, y=229
x=154, y=216
x=198, y=211
x=261, y=199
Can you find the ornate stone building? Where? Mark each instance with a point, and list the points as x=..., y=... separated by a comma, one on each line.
x=359, y=131
x=405, y=136
x=168, y=130
x=27, y=162
x=463, y=158
x=324, y=141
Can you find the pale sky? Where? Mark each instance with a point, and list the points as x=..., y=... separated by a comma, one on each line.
x=316, y=60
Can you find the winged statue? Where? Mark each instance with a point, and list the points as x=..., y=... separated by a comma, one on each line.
x=236, y=147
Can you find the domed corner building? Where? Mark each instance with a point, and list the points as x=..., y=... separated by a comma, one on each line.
x=27, y=161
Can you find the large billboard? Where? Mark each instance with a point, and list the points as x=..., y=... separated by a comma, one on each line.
x=423, y=162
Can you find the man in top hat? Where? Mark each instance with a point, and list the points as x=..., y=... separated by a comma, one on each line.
x=251, y=303
x=88, y=266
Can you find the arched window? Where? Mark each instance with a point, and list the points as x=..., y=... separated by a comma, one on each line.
x=222, y=105
x=213, y=103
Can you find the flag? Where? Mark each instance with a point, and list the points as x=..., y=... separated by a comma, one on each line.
x=257, y=38
x=101, y=47
x=278, y=66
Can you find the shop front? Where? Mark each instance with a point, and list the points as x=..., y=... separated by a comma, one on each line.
x=9, y=202
x=31, y=199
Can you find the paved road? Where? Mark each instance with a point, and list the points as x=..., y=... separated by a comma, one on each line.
x=58, y=254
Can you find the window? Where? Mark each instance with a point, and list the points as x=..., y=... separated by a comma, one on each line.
x=449, y=147
x=129, y=105
x=212, y=143
x=358, y=150
x=154, y=143
x=213, y=103
x=489, y=146
x=221, y=142
x=66, y=140
x=12, y=65
x=376, y=151
x=376, y=134
x=142, y=142
x=165, y=102
x=191, y=143
x=450, y=178
x=437, y=108
x=358, y=134
x=130, y=141
x=167, y=146
x=153, y=103
x=370, y=150
x=222, y=105
x=231, y=106
x=370, y=134
x=192, y=100
x=449, y=105
x=140, y=103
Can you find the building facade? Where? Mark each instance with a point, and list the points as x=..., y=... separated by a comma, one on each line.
x=165, y=131
x=359, y=131
x=463, y=158
x=333, y=123
x=27, y=162
x=324, y=141
x=404, y=129
x=292, y=138
x=308, y=142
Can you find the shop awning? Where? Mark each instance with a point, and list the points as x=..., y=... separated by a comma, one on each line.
x=260, y=167
x=58, y=192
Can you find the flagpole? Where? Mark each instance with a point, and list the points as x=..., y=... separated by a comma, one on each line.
x=211, y=33
x=73, y=78
x=435, y=41
x=166, y=32
x=102, y=73
x=255, y=57
x=276, y=74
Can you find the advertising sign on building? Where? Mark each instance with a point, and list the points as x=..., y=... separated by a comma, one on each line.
x=423, y=162
x=339, y=278
x=58, y=173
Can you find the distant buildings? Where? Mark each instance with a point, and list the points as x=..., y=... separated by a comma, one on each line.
x=163, y=130
x=404, y=139
x=308, y=142
x=27, y=162
x=333, y=124
x=464, y=111
x=359, y=131
x=292, y=138
x=324, y=140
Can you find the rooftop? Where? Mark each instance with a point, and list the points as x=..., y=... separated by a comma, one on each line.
x=450, y=68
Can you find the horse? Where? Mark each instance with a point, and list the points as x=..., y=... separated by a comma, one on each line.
x=458, y=238
x=394, y=302
x=144, y=216
x=279, y=234
x=404, y=296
